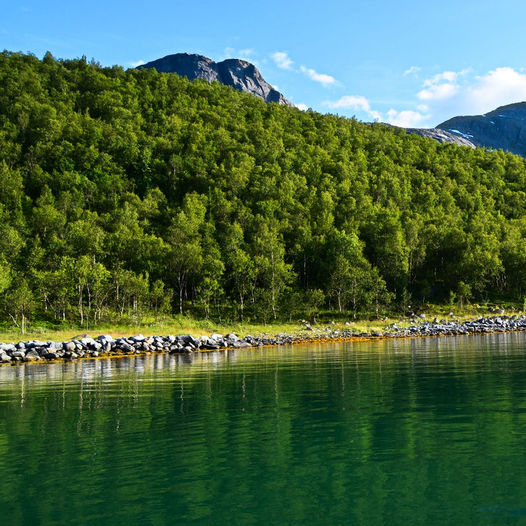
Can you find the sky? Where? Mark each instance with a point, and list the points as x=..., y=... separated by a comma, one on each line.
x=409, y=63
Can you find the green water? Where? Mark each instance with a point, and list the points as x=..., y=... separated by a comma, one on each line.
x=401, y=432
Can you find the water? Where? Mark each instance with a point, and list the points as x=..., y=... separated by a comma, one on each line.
x=429, y=431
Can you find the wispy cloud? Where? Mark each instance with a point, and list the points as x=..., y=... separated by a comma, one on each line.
x=247, y=54
x=302, y=107
x=406, y=118
x=413, y=70
x=439, y=92
x=445, y=76
x=323, y=79
x=136, y=63
x=282, y=60
x=353, y=102
x=349, y=102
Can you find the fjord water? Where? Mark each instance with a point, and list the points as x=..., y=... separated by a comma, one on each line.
x=423, y=431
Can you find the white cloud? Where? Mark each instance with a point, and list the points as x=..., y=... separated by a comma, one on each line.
x=452, y=93
x=406, y=118
x=449, y=94
x=136, y=63
x=246, y=54
x=413, y=70
x=302, y=107
x=354, y=102
x=324, y=80
x=498, y=87
x=438, y=92
x=282, y=60
x=442, y=85
x=448, y=76
x=350, y=102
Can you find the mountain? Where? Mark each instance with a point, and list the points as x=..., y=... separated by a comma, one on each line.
x=234, y=72
x=442, y=136
x=503, y=128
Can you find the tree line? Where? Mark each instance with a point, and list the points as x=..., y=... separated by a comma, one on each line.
x=128, y=191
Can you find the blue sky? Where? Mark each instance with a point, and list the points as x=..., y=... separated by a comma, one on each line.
x=411, y=63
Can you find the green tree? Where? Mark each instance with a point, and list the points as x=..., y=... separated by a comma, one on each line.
x=20, y=303
x=184, y=237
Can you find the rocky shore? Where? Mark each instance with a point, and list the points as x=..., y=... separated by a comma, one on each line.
x=107, y=346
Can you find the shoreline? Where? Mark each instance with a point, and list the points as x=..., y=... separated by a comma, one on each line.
x=106, y=346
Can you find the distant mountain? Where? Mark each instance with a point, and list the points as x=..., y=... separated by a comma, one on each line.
x=503, y=128
x=442, y=136
x=234, y=72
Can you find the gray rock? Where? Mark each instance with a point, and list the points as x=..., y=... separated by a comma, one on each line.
x=239, y=344
x=503, y=128
x=32, y=354
x=236, y=73
x=441, y=136
x=187, y=339
x=35, y=343
x=4, y=357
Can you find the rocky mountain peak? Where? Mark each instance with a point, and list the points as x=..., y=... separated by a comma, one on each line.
x=239, y=74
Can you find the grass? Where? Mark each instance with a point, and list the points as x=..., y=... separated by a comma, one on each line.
x=187, y=325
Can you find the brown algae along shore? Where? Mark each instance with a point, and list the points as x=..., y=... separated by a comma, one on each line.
x=107, y=346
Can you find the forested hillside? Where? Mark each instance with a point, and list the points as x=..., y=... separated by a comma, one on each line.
x=124, y=192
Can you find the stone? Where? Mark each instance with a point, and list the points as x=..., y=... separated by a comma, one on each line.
x=4, y=357
x=187, y=339
x=32, y=354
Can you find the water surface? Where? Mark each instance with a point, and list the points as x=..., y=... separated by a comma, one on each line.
x=424, y=431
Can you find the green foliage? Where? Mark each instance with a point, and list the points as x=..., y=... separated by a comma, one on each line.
x=124, y=193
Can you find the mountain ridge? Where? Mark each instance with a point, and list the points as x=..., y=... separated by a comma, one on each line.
x=503, y=128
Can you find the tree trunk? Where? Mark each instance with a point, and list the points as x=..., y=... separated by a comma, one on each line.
x=241, y=304
x=81, y=312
